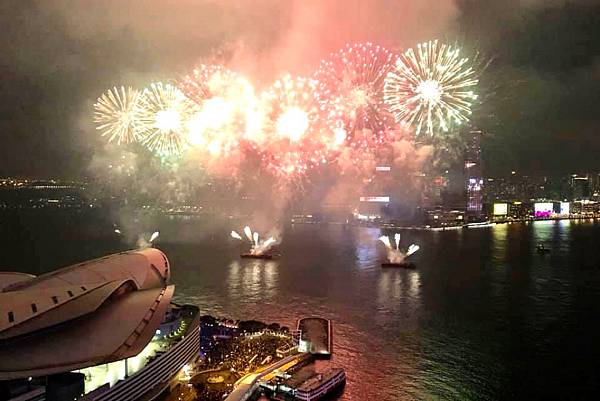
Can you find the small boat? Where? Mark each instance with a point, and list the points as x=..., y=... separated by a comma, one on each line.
x=257, y=256
x=541, y=249
x=405, y=265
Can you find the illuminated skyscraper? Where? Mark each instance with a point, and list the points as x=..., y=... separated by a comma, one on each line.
x=473, y=177
x=580, y=187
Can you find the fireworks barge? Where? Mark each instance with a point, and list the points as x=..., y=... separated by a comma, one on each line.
x=405, y=265
x=267, y=256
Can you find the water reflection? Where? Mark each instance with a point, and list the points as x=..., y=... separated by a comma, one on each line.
x=252, y=280
x=499, y=241
x=543, y=231
x=367, y=254
x=395, y=284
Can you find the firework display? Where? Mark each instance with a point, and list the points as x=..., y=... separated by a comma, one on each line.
x=355, y=103
x=115, y=114
x=349, y=91
x=161, y=118
x=394, y=254
x=258, y=247
x=431, y=88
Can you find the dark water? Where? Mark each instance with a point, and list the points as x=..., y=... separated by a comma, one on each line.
x=483, y=317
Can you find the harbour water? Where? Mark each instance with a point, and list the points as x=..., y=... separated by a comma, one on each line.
x=482, y=317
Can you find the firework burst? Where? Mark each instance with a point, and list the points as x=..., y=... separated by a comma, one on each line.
x=296, y=138
x=207, y=81
x=349, y=92
x=228, y=109
x=115, y=114
x=431, y=88
x=161, y=119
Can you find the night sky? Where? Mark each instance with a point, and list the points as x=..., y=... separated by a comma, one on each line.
x=541, y=92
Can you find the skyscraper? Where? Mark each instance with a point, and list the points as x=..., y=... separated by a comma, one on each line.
x=580, y=187
x=473, y=176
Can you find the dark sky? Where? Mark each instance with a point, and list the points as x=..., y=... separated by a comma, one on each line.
x=542, y=92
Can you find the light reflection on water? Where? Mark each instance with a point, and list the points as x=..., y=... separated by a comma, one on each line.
x=253, y=281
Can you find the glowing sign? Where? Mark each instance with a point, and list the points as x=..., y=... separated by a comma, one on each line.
x=565, y=208
x=383, y=168
x=382, y=199
x=500, y=209
x=543, y=209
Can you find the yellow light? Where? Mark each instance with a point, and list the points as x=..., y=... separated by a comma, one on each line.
x=339, y=136
x=168, y=120
x=293, y=123
x=216, y=112
x=430, y=90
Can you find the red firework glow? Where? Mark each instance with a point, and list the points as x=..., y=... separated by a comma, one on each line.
x=349, y=92
x=207, y=81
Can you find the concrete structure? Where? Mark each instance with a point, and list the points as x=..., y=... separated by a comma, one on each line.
x=83, y=315
x=315, y=336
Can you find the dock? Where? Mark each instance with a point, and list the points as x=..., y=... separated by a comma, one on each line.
x=315, y=336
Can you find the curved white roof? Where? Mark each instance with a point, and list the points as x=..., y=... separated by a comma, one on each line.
x=92, y=312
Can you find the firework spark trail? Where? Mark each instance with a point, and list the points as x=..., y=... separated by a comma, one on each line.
x=255, y=238
x=412, y=249
x=397, y=239
x=236, y=235
x=154, y=236
x=115, y=114
x=386, y=241
x=248, y=233
x=296, y=139
x=163, y=112
x=431, y=88
x=349, y=92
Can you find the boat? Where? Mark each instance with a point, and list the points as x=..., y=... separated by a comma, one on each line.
x=480, y=224
x=257, y=256
x=321, y=385
x=541, y=249
x=406, y=265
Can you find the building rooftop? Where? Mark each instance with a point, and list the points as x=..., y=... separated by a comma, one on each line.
x=90, y=313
